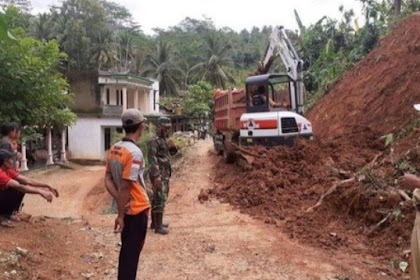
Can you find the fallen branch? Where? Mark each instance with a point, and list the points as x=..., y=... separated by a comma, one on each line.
x=370, y=164
x=381, y=222
x=404, y=195
x=244, y=151
x=335, y=186
x=328, y=192
x=339, y=173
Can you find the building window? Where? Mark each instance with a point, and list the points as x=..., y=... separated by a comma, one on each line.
x=107, y=138
x=121, y=97
x=107, y=96
x=118, y=97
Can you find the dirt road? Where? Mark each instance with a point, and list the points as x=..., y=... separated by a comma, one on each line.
x=206, y=241
x=74, y=187
x=213, y=241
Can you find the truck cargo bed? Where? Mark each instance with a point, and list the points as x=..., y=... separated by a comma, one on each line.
x=229, y=105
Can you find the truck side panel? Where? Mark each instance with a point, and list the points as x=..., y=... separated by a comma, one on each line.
x=228, y=107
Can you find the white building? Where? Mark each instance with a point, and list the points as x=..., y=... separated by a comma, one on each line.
x=100, y=101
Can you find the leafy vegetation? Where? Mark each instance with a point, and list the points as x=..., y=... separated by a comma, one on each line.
x=199, y=100
x=101, y=34
x=32, y=90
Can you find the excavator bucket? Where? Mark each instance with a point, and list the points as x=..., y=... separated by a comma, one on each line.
x=243, y=159
x=243, y=156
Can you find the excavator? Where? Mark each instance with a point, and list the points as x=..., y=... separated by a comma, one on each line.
x=269, y=111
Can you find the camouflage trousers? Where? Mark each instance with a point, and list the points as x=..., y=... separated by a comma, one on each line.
x=160, y=196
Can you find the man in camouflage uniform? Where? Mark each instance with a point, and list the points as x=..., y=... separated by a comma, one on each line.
x=160, y=149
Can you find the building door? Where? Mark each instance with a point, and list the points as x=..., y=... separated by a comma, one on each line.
x=107, y=138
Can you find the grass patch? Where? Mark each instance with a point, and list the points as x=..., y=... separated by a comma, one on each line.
x=409, y=128
x=313, y=99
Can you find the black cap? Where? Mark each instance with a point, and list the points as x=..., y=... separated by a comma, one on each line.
x=5, y=154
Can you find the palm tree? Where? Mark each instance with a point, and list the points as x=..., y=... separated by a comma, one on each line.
x=217, y=54
x=126, y=48
x=104, y=51
x=163, y=68
x=42, y=27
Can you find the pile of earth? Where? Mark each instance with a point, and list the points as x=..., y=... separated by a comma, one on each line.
x=379, y=92
x=282, y=185
x=351, y=164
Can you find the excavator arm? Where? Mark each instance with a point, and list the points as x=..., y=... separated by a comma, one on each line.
x=280, y=45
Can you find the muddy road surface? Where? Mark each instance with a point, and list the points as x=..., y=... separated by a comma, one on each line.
x=209, y=240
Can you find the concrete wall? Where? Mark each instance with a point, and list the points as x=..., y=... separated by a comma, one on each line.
x=86, y=137
x=143, y=105
x=84, y=86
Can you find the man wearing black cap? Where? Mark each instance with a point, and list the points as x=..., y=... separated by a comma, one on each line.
x=13, y=186
x=124, y=181
x=160, y=149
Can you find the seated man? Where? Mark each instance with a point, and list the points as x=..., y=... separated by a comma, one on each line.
x=13, y=187
x=259, y=98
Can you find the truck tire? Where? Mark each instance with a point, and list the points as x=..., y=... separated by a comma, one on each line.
x=228, y=153
x=218, y=145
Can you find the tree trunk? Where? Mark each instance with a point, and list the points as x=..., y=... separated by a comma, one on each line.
x=397, y=6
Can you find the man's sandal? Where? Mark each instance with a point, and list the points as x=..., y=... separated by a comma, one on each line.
x=6, y=223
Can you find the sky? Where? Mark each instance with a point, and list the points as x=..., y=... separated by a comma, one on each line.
x=237, y=15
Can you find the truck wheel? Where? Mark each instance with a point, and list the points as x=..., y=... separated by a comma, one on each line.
x=218, y=150
x=228, y=153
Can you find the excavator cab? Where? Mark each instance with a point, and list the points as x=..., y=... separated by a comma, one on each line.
x=271, y=92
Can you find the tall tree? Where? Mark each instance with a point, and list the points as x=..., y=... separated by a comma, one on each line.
x=81, y=28
x=119, y=17
x=397, y=6
x=15, y=18
x=126, y=48
x=41, y=27
x=104, y=51
x=162, y=66
x=216, y=54
x=198, y=100
x=31, y=87
x=77, y=44
x=23, y=5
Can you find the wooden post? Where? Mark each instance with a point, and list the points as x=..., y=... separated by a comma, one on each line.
x=63, y=145
x=24, y=161
x=49, y=147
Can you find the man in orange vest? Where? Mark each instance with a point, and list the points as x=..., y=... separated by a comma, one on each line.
x=124, y=181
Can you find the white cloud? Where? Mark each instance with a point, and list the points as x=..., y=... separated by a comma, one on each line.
x=234, y=14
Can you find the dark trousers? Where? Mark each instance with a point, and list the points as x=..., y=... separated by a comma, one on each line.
x=132, y=239
x=10, y=201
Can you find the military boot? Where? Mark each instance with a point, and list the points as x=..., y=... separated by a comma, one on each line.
x=158, y=224
x=152, y=224
x=165, y=225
